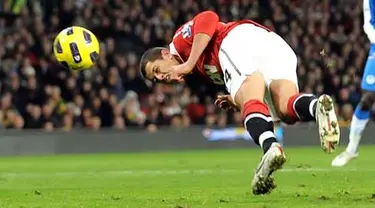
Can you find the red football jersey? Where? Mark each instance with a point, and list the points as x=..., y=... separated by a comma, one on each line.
x=208, y=63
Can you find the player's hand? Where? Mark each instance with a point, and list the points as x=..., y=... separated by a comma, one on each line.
x=226, y=102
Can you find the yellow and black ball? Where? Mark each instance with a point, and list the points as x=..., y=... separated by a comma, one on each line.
x=76, y=48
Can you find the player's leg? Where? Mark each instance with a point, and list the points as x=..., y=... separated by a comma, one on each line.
x=276, y=119
x=279, y=132
x=292, y=106
x=259, y=123
x=361, y=114
x=247, y=87
x=256, y=116
x=359, y=121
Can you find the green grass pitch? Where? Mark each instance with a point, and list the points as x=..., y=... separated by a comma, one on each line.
x=184, y=179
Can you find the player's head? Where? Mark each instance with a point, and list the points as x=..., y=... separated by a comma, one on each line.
x=156, y=65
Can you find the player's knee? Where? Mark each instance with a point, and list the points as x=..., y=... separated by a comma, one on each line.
x=283, y=93
x=367, y=101
x=257, y=120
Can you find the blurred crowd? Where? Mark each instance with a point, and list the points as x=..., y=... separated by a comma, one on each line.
x=38, y=93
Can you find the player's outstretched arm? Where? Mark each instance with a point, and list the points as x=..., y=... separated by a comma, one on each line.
x=204, y=28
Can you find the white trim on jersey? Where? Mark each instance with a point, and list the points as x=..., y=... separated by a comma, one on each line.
x=173, y=50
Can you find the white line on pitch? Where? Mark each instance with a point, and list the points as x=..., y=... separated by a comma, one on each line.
x=167, y=172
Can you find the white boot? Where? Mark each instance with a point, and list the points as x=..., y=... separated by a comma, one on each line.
x=326, y=119
x=343, y=159
x=272, y=160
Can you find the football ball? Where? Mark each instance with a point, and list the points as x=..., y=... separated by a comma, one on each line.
x=76, y=48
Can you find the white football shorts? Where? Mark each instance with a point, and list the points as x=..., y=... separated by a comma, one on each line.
x=248, y=48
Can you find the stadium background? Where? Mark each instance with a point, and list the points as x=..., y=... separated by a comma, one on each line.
x=36, y=93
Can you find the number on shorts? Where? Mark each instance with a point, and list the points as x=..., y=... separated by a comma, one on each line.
x=227, y=76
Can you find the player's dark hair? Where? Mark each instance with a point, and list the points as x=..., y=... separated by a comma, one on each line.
x=150, y=55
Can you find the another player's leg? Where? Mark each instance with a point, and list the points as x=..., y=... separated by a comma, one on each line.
x=361, y=114
x=293, y=106
x=359, y=121
x=259, y=124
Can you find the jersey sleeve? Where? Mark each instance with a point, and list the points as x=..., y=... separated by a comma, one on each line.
x=205, y=22
x=369, y=19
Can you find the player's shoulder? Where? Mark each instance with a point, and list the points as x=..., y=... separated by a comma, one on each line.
x=194, y=18
x=207, y=12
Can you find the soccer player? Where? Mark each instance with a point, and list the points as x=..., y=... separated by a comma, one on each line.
x=362, y=112
x=258, y=69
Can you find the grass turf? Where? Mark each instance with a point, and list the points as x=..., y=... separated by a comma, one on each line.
x=216, y=179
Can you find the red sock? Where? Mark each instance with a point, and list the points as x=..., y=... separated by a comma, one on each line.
x=292, y=114
x=301, y=107
x=255, y=106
